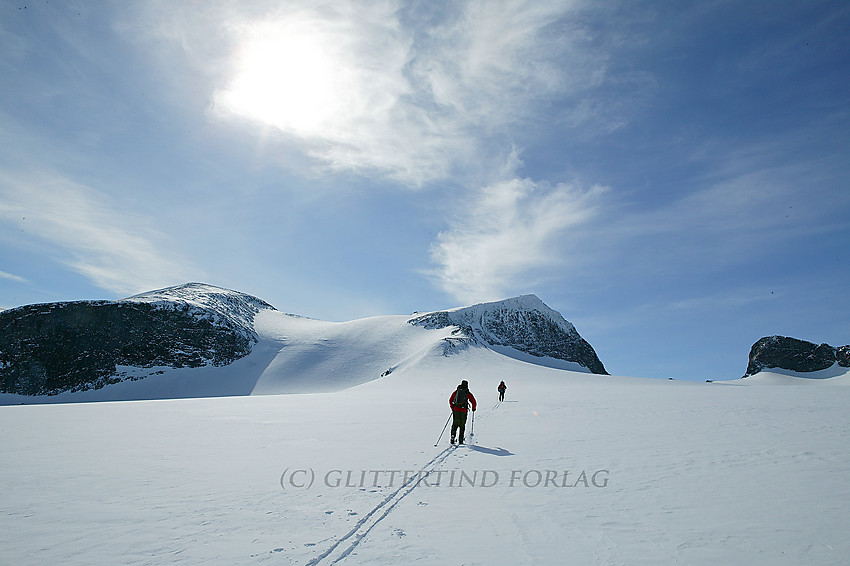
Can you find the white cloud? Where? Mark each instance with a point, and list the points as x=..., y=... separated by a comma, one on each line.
x=332, y=77
x=376, y=88
x=115, y=249
x=505, y=234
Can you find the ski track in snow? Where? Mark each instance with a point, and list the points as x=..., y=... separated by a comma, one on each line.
x=366, y=524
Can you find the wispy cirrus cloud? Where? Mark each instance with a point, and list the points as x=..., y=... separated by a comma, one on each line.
x=506, y=233
x=12, y=277
x=116, y=249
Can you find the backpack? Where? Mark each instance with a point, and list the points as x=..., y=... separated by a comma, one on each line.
x=461, y=396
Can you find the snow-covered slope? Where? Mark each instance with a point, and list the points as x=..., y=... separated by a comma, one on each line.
x=317, y=356
x=572, y=468
x=835, y=375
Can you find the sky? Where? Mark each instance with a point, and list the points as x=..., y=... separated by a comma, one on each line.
x=672, y=177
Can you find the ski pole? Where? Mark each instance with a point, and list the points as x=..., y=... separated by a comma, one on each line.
x=472, y=426
x=444, y=430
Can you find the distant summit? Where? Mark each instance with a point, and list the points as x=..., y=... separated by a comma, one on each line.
x=524, y=323
x=222, y=307
x=796, y=355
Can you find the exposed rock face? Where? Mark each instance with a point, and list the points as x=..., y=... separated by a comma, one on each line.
x=795, y=355
x=843, y=355
x=524, y=323
x=72, y=346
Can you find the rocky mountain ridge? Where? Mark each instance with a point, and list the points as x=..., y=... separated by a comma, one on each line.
x=51, y=348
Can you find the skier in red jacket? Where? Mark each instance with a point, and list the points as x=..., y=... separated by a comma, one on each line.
x=460, y=400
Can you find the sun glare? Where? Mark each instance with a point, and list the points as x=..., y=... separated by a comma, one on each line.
x=286, y=77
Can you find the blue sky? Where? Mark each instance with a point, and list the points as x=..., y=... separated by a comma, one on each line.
x=673, y=177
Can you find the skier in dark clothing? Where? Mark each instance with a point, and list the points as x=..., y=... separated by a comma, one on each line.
x=460, y=400
x=502, y=388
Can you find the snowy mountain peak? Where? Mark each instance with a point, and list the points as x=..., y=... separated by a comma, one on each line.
x=200, y=293
x=524, y=323
x=206, y=301
x=522, y=303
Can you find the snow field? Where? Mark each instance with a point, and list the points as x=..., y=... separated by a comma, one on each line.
x=696, y=474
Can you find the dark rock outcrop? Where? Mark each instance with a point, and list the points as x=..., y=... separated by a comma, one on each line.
x=524, y=323
x=794, y=355
x=49, y=348
x=842, y=354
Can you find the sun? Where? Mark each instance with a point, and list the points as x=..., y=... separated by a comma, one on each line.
x=286, y=76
